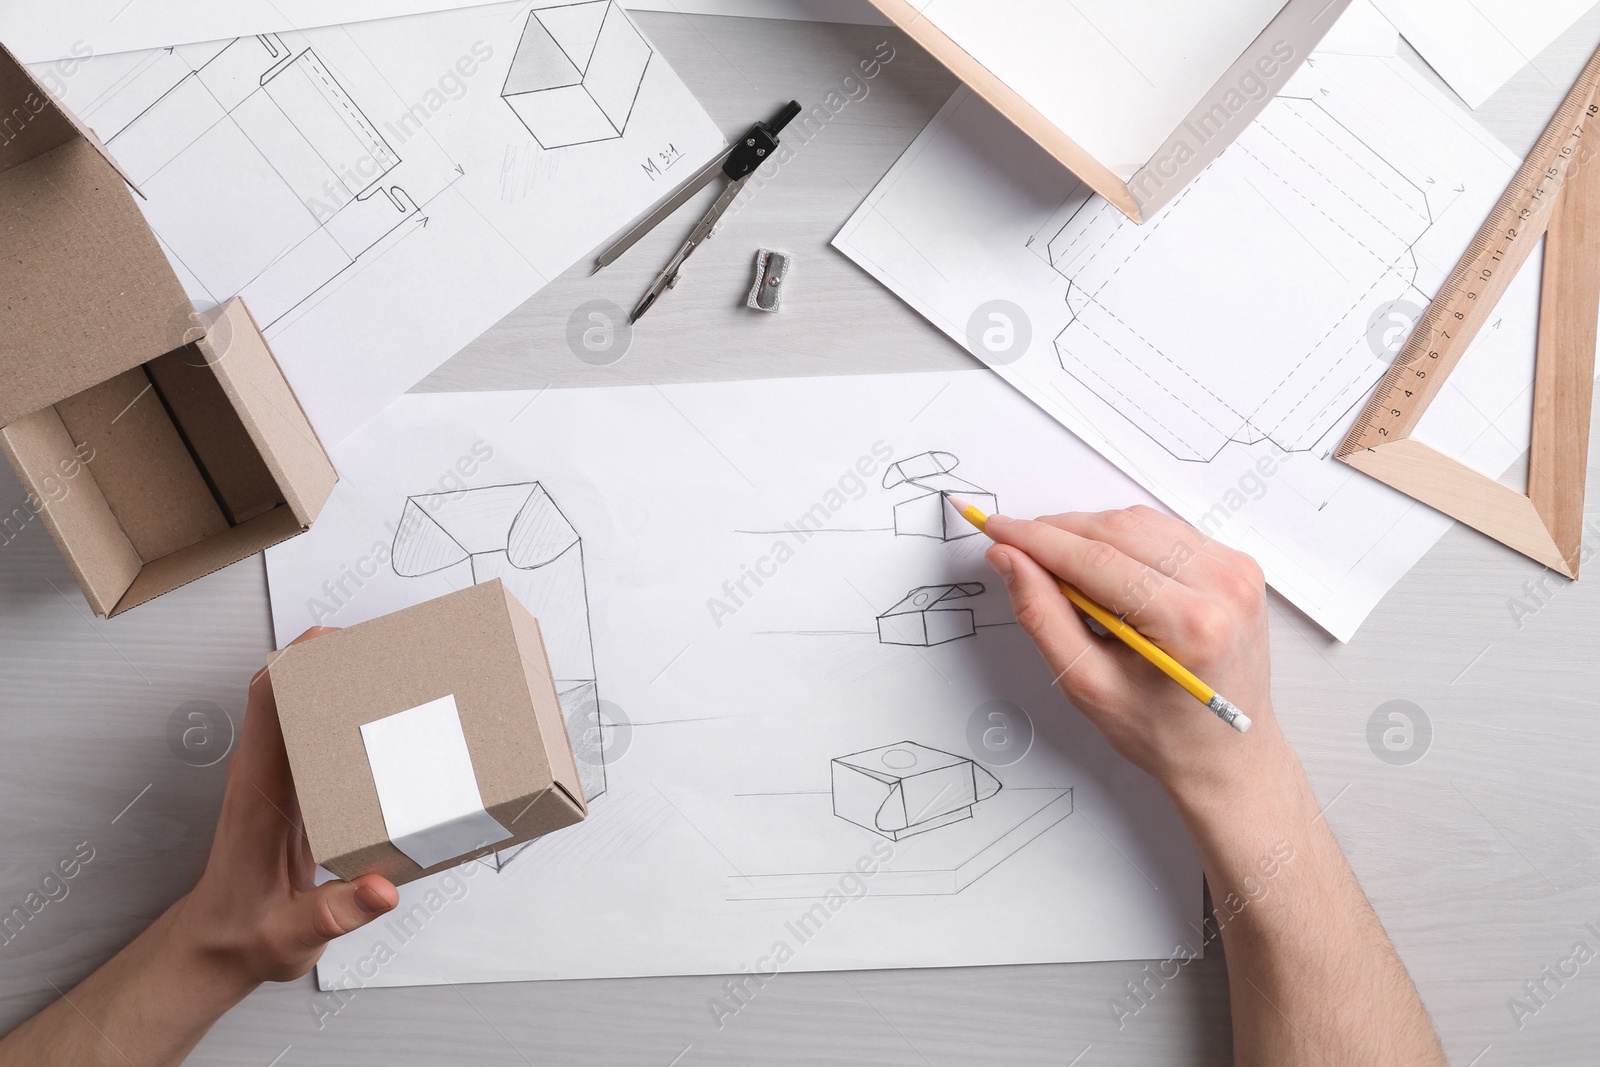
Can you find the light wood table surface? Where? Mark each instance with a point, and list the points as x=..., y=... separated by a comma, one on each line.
x=1482, y=858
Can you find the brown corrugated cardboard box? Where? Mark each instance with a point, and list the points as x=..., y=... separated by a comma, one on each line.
x=389, y=721
x=154, y=449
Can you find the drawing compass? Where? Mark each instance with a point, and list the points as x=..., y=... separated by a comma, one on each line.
x=736, y=164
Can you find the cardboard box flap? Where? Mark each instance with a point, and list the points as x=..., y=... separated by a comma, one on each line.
x=558, y=750
x=272, y=416
x=215, y=433
x=85, y=290
x=209, y=556
x=63, y=485
x=512, y=773
x=30, y=121
x=45, y=124
x=141, y=465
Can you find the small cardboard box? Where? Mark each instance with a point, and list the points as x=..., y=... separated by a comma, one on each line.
x=426, y=738
x=155, y=448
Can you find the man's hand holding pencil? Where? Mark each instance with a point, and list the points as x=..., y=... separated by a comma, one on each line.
x=1199, y=602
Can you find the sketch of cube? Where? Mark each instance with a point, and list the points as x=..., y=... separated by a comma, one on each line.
x=930, y=513
x=906, y=788
x=518, y=534
x=924, y=618
x=576, y=73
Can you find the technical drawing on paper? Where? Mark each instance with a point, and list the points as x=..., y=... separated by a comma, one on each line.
x=925, y=617
x=904, y=789
x=576, y=73
x=269, y=157
x=1297, y=177
x=518, y=534
x=930, y=513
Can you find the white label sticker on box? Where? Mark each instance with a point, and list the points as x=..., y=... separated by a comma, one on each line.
x=427, y=790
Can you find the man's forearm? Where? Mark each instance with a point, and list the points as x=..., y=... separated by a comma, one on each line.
x=1314, y=977
x=149, y=1005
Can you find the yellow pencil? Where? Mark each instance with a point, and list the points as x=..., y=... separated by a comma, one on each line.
x=1224, y=708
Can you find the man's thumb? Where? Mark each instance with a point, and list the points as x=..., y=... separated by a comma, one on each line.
x=339, y=907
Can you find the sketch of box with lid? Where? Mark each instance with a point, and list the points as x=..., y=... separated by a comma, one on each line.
x=576, y=73
x=905, y=788
x=927, y=616
x=518, y=534
x=930, y=513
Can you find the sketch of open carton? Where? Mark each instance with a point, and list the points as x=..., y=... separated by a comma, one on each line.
x=576, y=73
x=930, y=513
x=517, y=533
x=906, y=788
x=924, y=618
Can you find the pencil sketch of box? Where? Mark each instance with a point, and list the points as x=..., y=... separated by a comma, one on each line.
x=518, y=534
x=576, y=73
x=904, y=789
x=925, y=618
x=930, y=513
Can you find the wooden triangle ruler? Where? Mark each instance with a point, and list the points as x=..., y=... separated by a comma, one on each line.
x=1555, y=195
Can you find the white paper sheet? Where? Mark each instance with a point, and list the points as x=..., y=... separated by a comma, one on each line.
x=1220, y=352
x=1477, y=45
x=1361, y=31
x=382, y=193
x=1117, y=76
x=44, y=34
x=736, y=659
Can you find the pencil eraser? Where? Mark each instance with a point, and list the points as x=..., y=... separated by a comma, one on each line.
x=772, y=270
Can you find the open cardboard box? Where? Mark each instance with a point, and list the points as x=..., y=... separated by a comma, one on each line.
x=155, y=449
x=427, y=737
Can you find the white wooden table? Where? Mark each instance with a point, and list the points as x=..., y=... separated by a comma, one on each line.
x=1482, y=858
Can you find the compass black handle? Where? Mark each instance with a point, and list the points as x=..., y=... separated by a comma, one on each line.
x=776, y=124
x=757, y=144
